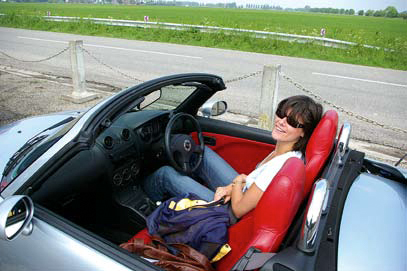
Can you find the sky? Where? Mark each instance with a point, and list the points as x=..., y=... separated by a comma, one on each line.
x=401, y=5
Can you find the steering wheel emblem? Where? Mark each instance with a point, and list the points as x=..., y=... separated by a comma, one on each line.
x=187, y=145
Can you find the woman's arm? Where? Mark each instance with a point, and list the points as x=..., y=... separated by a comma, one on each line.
x=242, y=203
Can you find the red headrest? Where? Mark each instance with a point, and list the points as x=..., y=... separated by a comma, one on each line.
x=319, y=147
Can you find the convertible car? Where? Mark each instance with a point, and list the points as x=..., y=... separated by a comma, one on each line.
x=70, y=190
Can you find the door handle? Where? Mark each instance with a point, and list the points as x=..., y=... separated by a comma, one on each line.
x=208, y=140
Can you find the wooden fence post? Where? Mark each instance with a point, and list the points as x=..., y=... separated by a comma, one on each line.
x=79, y=93
x=269, y=94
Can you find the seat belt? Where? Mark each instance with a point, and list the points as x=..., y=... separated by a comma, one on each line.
x=252, y=259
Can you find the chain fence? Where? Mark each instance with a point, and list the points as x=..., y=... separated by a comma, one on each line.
x=36, y=61
x=98, y=60
x=239, y=78
x=111, y=67
x=230, y=81
x=339, y=108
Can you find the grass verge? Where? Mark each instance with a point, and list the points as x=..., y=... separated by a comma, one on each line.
x=377, y=31
x=396, y=59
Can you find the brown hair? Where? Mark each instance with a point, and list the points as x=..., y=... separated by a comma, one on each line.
x=307, y=111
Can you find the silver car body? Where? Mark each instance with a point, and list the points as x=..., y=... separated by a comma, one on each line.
x=19, y=132
x=373, y=232
x=51, y=249
x=12, y=188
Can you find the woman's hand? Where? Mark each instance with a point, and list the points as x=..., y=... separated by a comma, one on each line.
x=226, y=191
x=223, y=192
x=240, y=180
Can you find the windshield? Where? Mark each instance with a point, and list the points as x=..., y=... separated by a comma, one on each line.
x=33, y=149
x=167, y=98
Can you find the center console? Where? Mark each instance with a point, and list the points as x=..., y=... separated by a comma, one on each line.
x=134, y=206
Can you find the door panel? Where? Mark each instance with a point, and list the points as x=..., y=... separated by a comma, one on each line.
x=241, y=146
x=242, y=154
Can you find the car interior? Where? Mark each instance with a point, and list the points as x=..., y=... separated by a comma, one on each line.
x=100, y=187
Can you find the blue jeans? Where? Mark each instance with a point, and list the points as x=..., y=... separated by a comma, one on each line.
x=166, y=181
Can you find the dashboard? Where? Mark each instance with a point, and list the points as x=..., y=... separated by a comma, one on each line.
x=134, y=139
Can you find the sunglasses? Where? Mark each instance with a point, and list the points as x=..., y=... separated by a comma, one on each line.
x=290, y=120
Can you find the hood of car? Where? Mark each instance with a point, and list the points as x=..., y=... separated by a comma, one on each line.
x=14, y=135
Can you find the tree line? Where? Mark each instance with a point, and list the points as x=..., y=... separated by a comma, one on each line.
x=390, y=11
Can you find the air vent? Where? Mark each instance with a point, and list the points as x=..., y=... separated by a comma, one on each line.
x=108, y=142
x=135, y=169
x=117, y=179
x=126, y=134
x=145, y=133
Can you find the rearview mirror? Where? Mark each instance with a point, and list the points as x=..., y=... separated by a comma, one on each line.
x=150, y=98
x=16, y=213
x=213, y=108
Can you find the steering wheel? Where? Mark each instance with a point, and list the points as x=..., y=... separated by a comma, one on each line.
x=181, y=147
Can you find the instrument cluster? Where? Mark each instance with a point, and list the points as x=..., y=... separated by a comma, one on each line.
x=153, y=130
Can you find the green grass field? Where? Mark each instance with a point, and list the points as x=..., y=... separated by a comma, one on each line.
x=382, y=32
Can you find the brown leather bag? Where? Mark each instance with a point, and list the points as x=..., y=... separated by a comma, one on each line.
x=184, y=259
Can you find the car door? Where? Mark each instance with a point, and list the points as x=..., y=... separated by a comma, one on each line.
x=243, y=147
x=50, y=242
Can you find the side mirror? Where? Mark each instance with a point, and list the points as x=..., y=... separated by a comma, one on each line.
x=16, y=213
x=213, y=108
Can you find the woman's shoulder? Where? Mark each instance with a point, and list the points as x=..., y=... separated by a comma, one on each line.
x=279, y=161
x=290, y=154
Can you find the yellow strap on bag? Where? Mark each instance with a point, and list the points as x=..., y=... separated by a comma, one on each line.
x=225, y=249
x=186, y=203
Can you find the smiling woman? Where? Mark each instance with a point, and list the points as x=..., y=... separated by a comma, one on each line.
x=300, y=113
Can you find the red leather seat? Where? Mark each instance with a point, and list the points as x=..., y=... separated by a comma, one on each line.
x=319, y=147
x=266, y=225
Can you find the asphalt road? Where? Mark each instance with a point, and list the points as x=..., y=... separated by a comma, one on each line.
x=376, y=93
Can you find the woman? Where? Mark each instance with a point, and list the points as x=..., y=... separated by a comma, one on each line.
x=296, y=118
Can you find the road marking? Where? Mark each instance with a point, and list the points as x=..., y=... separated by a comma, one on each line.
x=58, y=41
x=115, y=48
x=142, y=51
x=359, y=79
